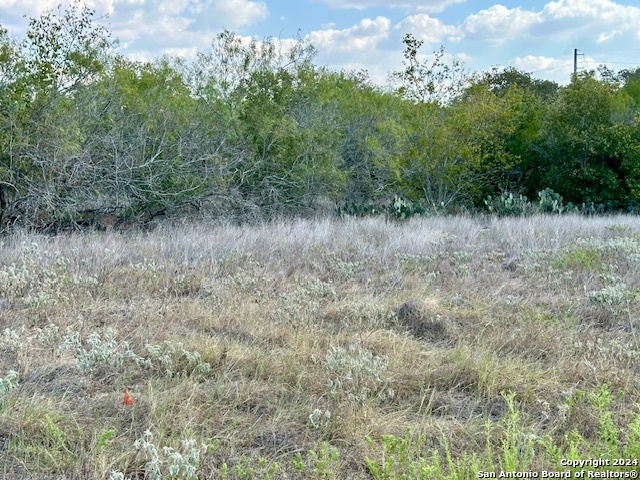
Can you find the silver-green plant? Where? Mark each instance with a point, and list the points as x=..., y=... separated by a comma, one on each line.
x=301, y=306
x=166, y=462
x=173, y=360
x=364, y=316
x=11, y=339
x=42, y=278
x=8, y=383
x=319, y=419
x=613, y=299
x=100, y=350
x=356, y=374
x=337, y=269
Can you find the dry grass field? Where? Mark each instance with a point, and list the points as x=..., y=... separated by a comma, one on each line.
x=322, y=349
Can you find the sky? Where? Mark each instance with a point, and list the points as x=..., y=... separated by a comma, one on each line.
x=534, y=36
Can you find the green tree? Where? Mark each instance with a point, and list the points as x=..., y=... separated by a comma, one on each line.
x=282, y=152
x=500, y=81
x=11, y=111
x=140, y=141
x=430, y=80
x=63, y=52
x=65, y=48
x=366, y=123
x=588, y=148
x=489, y=126
x=455, y=153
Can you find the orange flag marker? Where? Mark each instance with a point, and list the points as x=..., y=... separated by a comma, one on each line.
x=128, y=399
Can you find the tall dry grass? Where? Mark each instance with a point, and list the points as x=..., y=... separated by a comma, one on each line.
x=275, y=341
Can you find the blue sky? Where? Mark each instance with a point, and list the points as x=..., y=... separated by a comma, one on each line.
x=535, y=36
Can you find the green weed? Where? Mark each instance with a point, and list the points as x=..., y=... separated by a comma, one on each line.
x=587, y=258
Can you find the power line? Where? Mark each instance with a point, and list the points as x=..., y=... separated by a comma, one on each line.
x=612, y=63
x=551, y=68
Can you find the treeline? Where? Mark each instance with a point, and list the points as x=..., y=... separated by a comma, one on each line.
x=251, y=131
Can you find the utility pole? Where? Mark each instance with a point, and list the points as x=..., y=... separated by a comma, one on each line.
x=575, y=60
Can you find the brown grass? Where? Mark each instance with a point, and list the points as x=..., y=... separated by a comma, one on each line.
x=462, y=310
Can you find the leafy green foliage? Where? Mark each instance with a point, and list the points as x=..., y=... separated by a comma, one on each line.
x=253, y=129
x=425, y=82
x=588, y=258
x=588, y=146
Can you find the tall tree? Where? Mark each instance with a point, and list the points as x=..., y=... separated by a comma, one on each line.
x=589, y=148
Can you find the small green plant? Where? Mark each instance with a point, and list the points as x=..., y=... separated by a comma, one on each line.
x=104, y=438
x=613, y=440
x=323, y=464
x=249, y=469
x=518, y=446
x=402, y=457
x=409, y=457
x=55, y=435
x=584, y=257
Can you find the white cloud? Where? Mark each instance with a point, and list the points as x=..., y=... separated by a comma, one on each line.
x=359, y=47
x=606, y=36
x=432, y=6
x=497, y=24
x=428, y=29
x=30, y=8
x=556, y=69
x=600, y=9
x=365, y=35
x=535, y=63
x=436, y=6
x=177, y=26
x=165, y=30
x=605, y=18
